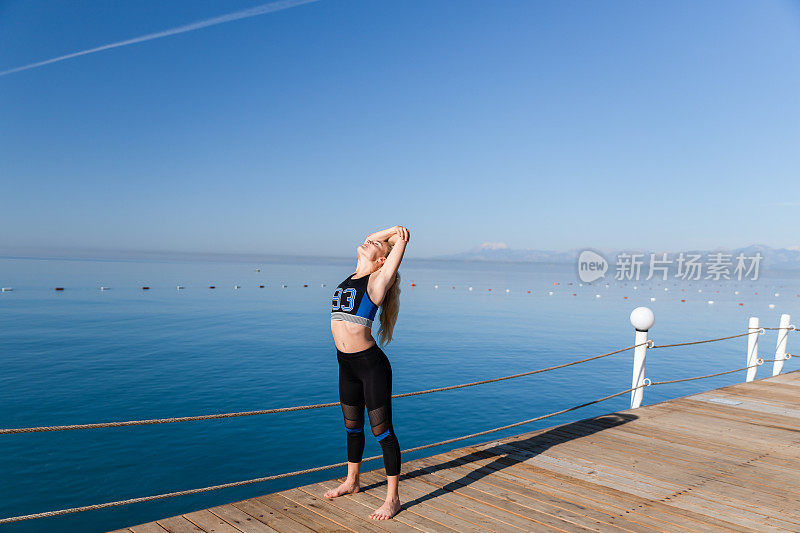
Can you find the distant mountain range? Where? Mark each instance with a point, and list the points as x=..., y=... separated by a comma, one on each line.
x=781, y=258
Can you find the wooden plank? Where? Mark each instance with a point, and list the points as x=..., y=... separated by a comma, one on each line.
x=690, y=461
x=645, y=490
x=208, y=521
x=261, y=510
x=477, y=512
x=179, y=524
x=616, y=504
x=686, y=487
x=697, y=439
x=503, y=510
x=482, y=481
x=704, y=463
x=628, y=502
x=150, y=527
x=241, y=520
x=714, y=482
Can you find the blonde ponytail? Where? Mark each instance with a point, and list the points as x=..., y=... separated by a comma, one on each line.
x=390, y=307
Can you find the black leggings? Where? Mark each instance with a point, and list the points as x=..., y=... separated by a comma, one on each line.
x=365, y=379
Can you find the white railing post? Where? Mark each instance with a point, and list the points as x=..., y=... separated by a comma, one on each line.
x=752, y=348
x=780, y=352
x=642, y=319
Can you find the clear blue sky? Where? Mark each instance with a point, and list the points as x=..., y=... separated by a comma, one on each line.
x=546, y=125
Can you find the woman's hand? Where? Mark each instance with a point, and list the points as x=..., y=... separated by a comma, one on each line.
x=401, y=234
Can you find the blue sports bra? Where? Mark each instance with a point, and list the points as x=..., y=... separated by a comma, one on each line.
x=351, y=302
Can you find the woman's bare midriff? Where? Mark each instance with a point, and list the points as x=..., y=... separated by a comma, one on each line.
x=349, y=337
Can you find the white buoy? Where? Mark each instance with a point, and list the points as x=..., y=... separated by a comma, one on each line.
x=666, y=289
x=435, y=286
x=735, y=292
x=508, y=290
x=711, y=302
x=470, y=288
x=597, y=296
x=550, y=293
x=777, y=294
x=580, y=284
x=635, y=287
x=652, y=299
x=772, y=306
x=701, y=290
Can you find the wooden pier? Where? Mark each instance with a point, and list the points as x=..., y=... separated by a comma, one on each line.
x=723, y=460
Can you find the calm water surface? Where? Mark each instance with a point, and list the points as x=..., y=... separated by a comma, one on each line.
x=85, y=355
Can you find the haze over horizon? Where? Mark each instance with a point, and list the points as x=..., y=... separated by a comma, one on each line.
x=548, y=126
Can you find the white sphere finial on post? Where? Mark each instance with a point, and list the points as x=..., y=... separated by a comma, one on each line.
x=642, y=318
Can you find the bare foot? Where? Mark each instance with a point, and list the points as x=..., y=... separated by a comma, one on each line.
x=348, y=487
x=387, y=510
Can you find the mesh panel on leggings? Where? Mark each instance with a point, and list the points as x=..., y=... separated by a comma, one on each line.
x=379, y=419
x=353, y=413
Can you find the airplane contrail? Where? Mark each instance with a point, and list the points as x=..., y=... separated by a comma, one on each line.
x=236, y=15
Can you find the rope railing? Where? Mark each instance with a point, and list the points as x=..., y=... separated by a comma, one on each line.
x=647, y=383
x=760, y=331
x=295, y=408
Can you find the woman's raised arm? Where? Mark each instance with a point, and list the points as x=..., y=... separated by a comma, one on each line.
x=399, y=240
x=382, y=235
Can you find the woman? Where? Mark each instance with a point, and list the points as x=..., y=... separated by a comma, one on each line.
x=365, y=375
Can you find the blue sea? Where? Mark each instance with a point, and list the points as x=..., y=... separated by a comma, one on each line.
x=84, y=355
